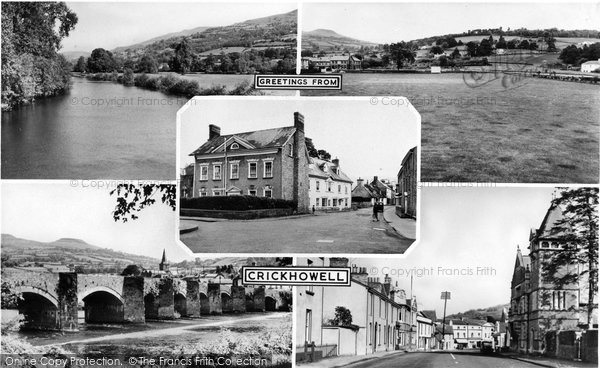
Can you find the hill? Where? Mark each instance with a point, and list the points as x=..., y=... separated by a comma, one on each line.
x=74, y=55
x=10, y=242
x=481, y=313
x=68, y=251
x=326, y=39
x=174, y=35
x=275, y=31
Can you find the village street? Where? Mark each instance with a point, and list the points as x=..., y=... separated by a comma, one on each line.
x=337, y=232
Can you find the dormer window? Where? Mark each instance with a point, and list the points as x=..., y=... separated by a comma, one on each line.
x=234, y=145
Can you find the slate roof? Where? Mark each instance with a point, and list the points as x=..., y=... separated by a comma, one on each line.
x=362, y=191
x=267, y=138
x=429, y=314
x=553, y=216
x=317, y=169
x=447, y=330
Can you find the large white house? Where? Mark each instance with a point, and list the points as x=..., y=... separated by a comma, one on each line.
x=329, y=187
x=590, y=66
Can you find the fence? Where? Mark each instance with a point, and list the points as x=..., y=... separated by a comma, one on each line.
x=572, y=345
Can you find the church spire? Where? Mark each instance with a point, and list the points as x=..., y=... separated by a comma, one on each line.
x=164, y=264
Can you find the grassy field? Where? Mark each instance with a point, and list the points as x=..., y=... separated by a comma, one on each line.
x=529, y=131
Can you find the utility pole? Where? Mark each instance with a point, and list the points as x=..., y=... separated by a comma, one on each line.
x=445, y=296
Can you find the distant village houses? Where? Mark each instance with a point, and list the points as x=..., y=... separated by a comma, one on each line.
x=378, y=190
x=332, y=62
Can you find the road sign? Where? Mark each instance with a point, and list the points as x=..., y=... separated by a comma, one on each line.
x=445, y=295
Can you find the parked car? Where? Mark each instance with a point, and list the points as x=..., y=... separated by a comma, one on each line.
x=487, y=347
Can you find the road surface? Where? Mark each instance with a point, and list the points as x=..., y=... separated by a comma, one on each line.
x=339, y=232
x=468, y=359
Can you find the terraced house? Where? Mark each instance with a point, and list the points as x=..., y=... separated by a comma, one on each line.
x=329, y=186
x=268, y=163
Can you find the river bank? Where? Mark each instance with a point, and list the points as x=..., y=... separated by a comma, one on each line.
x=172, y=84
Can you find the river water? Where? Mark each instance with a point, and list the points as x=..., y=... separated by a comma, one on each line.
x=98, y=130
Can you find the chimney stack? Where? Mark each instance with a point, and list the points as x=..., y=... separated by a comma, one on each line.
x=359, y=182
x=338, y=262
x=299, y=121
x=213, y=131
x=336, y=161
x=360, y=274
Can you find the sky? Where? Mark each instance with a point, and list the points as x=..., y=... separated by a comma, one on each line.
x=393, y=22
x=46, y=211
x=113, y=24
x=466, y=228
x=368, y=139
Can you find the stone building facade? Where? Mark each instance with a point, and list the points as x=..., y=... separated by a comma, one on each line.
x=330, y=187
x=383, y=318
x=407, y=185
x=538, y=306
x=269, y=163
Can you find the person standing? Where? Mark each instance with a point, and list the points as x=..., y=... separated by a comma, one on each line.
x=375, y=210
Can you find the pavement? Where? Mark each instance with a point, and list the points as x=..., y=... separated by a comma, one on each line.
x=549, y=362
x=346, y=232
x=406, y=227
x=343, y=361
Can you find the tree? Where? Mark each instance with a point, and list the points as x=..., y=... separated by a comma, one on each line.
x=485, y=47
x=455, y=54
x=472, y=48
x=134, y=270
x=570, y=54
x=80, y=66
x=101, y=61
x=436, y=50
x=147, y=64
x=182, y=60
x=310, y=147
x=501, y=44
x=577, y=233
x=402, y=52
x=324, y=155
x=128, y=77
x=524, y=45
x=343, y=317
x=31, y=37
x=132, y=198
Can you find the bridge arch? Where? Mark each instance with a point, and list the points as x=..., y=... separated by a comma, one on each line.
x=226, y=302
x=85, y=293
x=204, y=304
x=40, y=308
x=102, y=305
x=180, y=304
x=34, y=290
x=270, y=304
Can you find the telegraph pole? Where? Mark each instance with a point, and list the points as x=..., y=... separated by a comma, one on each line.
x=445, y=296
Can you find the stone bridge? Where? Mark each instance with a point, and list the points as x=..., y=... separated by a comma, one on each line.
x=51, y=301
